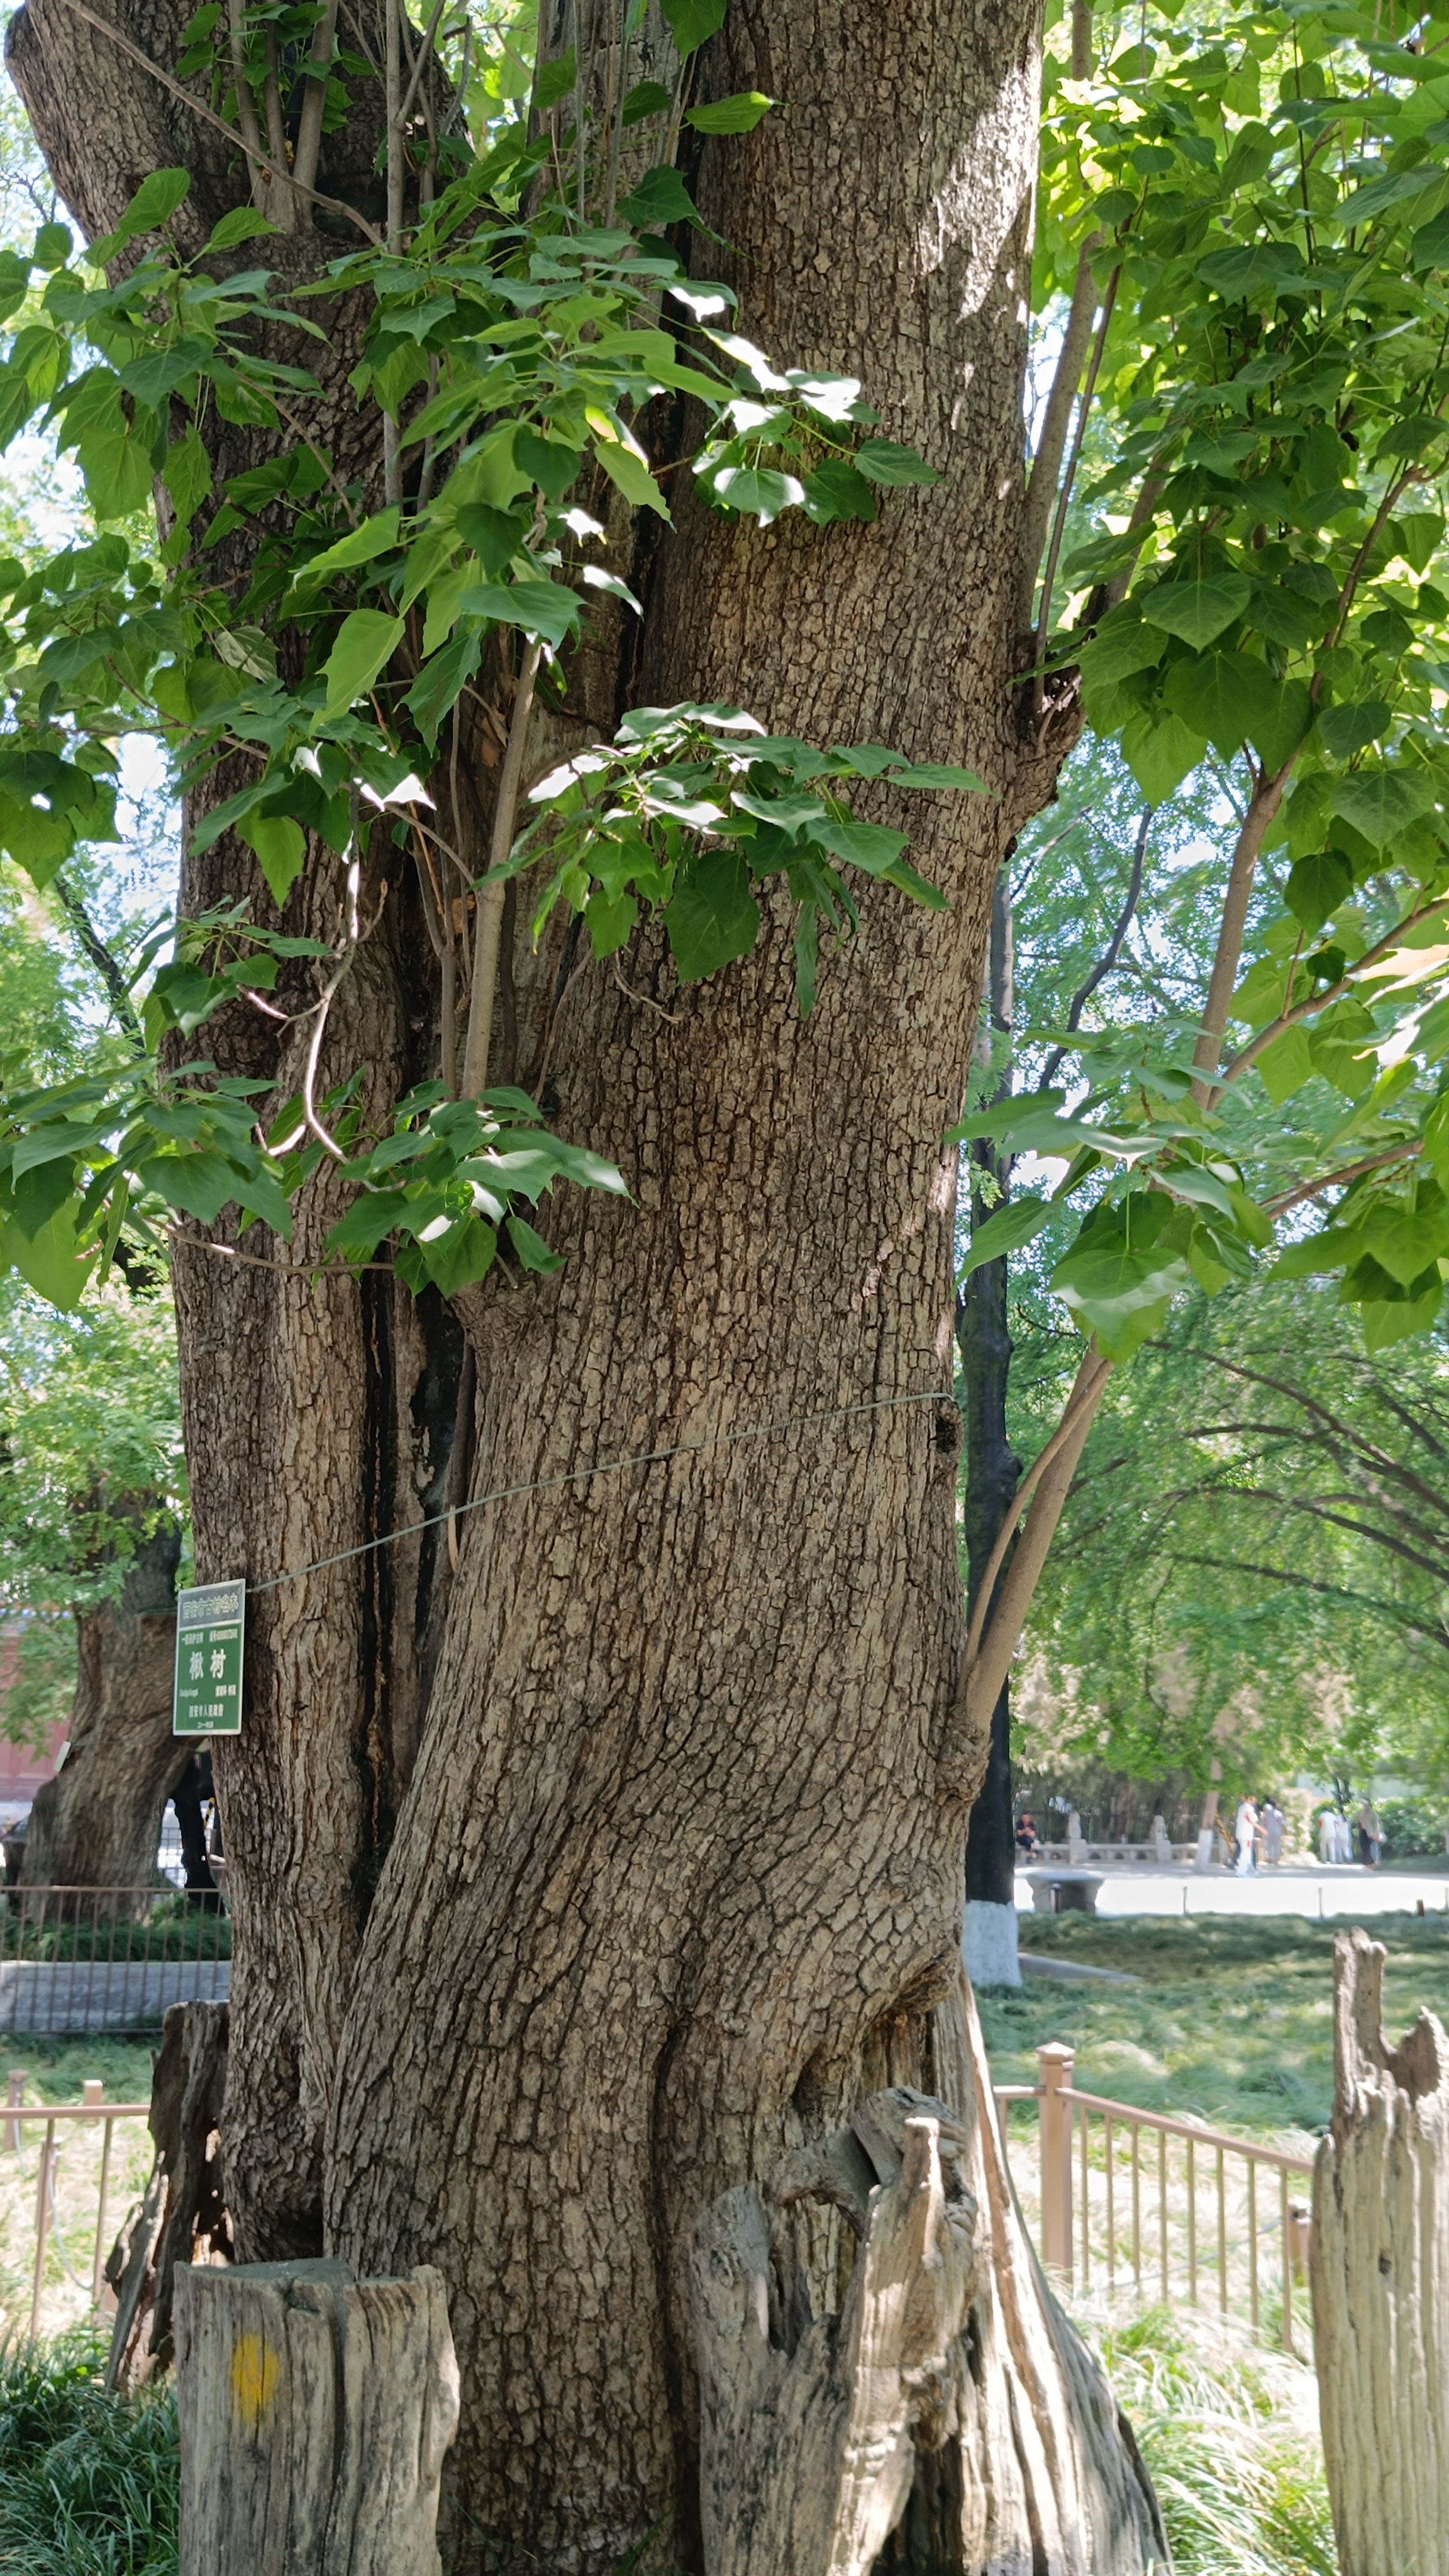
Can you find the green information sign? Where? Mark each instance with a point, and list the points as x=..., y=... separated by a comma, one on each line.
x=210, y=1623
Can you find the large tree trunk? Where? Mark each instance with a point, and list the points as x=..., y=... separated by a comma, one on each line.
x=675, y=1877
x=98, y=1822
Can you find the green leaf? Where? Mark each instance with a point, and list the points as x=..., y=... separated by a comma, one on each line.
x=1252, y=269
x=53, y=244
x=543, y=608
x=834, y=490
x=1340, y=1046
x=280, y=846
x=1417, y=536
x=362, y=1227
x=1286, y=1065
x=49, y=1261
x=1012, y=1226
x=1317, y=886
x=737, y=115
x=880, y=460
x=1389, y=1321
x=458, y=1258
x=660, y=198
x=633, y=479
x=548, y=462
x=1436, y=1141
x=1405, y=1238
x=1198, y=611
x=200, y=1182
x=647, y=98
x=757, y=491
x=1121, y=648
x=925, y=774
x=244, y=223
x=712, y=917
x=154, y=203
x=530, y=1247
x=554, y=81
x=692, y=22
x=376, y=536
x=1120, y=1293
x=1160, y=751
x=1221, y=696
x=1382, y=803
x=868, y=846
x=187, y=476
x=1280, y=722
x=1343, y=730
x=366, y=643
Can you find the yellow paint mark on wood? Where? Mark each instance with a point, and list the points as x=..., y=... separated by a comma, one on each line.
x=256, y=2372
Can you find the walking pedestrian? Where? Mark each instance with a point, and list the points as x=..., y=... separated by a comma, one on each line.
x=1245, y=1826
x=1272, y=1832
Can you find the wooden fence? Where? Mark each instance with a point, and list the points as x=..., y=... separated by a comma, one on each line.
x=1127, y=2195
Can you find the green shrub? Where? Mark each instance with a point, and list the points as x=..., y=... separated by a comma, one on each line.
x=1230, y=2437
x=1411, y=1831
x=88, y=2483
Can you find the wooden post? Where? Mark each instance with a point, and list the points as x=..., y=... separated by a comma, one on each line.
x=1054, y=2116
x=315, y=2411
x=1379, y=2269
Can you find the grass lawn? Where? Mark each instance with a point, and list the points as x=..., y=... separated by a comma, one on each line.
x=1232, y=2022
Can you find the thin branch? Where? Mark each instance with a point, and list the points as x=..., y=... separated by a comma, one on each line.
x=1111, y=952
x=1084, y=1391
x=209, y=116
x=1056, y=420
x=314, y=99
x=489, y=924
x=1238, y=1064
x=107, y=967
x=1381, y=1162
x=1252, y=832
x=1044, y=614
x=246, y=108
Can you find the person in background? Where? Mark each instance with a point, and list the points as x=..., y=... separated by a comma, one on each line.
x=1245, y=1826
x=1370, y=1834
x=1026, y=1842
x=1272, y=1815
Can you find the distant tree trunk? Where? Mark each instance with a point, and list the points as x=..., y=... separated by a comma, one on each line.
x=991, y=1477
x=98, y=1822
x=1380, y=2272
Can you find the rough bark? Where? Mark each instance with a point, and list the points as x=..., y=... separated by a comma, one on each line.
x=314, y=2412
x=183, y=2216
x=1379, y=2266
x=98, y=1822
x=674, y=1871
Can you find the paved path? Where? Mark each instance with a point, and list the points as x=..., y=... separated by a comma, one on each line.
x=1344, y=1893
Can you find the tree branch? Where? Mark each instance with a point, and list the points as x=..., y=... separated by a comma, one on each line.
x=1110, y=953
x=107, y=967
x=1056, y=420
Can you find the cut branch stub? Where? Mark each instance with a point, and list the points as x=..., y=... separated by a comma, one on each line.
x=1379, y=2264
x=807, y=2458
x=315, y=2412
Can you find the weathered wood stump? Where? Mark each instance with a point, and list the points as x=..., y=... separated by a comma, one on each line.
x=950, y=2420
x=315, y=2413
x=183, y=2216
x=1379, y=2265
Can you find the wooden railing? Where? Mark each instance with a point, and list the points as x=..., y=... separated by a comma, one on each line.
x=1098, y=2228
x=53, y=2115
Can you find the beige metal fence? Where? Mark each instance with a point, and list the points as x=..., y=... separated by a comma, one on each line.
x=1170, y=2205
x=94, y=2120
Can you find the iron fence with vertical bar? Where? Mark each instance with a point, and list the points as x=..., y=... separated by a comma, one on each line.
x=77, y=1959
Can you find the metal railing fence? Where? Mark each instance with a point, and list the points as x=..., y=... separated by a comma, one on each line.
x=93, y=2110
x=1097, y=2229
x=78, y=1959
